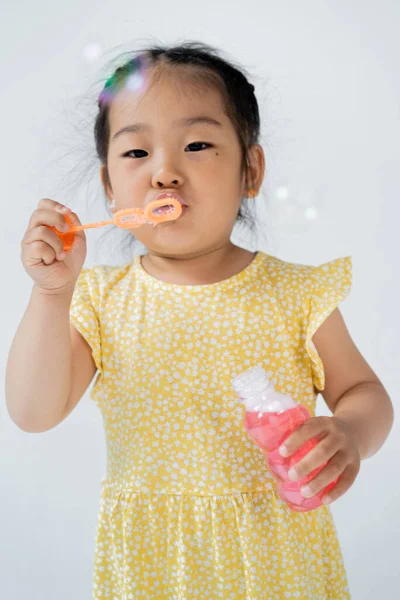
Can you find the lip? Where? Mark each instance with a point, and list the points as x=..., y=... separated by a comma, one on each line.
x=166, y=195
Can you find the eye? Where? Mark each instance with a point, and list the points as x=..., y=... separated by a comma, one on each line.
x=194, y=146
x=130, y=151
x=197, y=144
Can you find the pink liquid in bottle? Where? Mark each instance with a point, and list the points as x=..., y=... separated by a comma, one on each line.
x=270, y=418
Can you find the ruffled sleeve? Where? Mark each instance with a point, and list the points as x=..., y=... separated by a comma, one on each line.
x=84, y=312
x=331, y=284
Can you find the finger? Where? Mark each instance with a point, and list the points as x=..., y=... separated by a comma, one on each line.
x=38, y=252
x=44, y=234
x=333, y=469
x=53, y=205
x=74, y=219
x=51, y=218
x=317, y=456
x=346, y=480
x=316, y=427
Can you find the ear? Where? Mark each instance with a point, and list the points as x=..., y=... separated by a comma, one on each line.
x=256, y=170
x=105, y=182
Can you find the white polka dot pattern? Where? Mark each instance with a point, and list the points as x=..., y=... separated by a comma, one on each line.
x=188, y=508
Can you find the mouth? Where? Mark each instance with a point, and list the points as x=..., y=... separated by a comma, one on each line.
x=163, y=209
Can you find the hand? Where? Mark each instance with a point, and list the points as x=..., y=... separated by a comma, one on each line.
x=335, y=445
x=42, y=249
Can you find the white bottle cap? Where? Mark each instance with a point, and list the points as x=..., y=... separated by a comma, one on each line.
x=258, y=394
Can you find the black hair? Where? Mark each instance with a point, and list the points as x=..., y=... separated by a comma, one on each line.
x=208, y=67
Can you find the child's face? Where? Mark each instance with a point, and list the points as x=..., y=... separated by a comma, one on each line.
x=200, y=161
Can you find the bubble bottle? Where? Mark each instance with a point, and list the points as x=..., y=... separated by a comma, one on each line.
x=269, y=419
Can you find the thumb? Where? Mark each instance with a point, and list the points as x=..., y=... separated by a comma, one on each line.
x=74, y=239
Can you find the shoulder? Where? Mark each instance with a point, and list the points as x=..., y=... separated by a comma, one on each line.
x=307, y=280
x=102, y=279
x=286, y=271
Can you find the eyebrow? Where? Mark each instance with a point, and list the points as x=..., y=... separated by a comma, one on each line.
x=185, y=122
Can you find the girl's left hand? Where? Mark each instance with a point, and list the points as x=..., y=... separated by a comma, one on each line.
x=336, y=445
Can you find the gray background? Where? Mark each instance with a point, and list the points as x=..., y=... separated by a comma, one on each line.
x=327, y=79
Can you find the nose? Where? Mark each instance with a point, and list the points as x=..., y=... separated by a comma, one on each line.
x=165, y=184
x=166, y=176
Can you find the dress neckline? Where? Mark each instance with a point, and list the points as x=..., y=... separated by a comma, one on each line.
x=232, y=281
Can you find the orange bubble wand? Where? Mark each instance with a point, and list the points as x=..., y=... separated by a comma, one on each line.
x=127, y=218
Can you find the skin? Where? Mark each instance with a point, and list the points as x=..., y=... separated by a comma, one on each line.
x=196, y=249
x=362, y=414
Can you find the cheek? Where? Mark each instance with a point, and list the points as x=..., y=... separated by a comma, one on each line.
x=215, y=169
x=220, y=210
x=124, y=167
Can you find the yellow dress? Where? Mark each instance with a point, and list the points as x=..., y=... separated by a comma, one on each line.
x=188, y=509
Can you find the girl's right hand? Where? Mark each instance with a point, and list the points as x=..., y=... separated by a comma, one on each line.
x=41, y=249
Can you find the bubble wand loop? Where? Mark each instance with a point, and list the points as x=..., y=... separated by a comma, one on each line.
x=128, y=218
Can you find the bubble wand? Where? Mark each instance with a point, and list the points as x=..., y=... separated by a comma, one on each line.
x=128, y=218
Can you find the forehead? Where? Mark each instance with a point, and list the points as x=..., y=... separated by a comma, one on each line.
x=167, y=96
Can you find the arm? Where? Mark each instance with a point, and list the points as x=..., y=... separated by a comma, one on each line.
x=49, y=365
x=362, y=415
x=352, y=390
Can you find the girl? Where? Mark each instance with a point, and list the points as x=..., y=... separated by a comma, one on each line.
x=188, y=508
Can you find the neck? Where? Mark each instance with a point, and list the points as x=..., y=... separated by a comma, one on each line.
x=205, y=267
